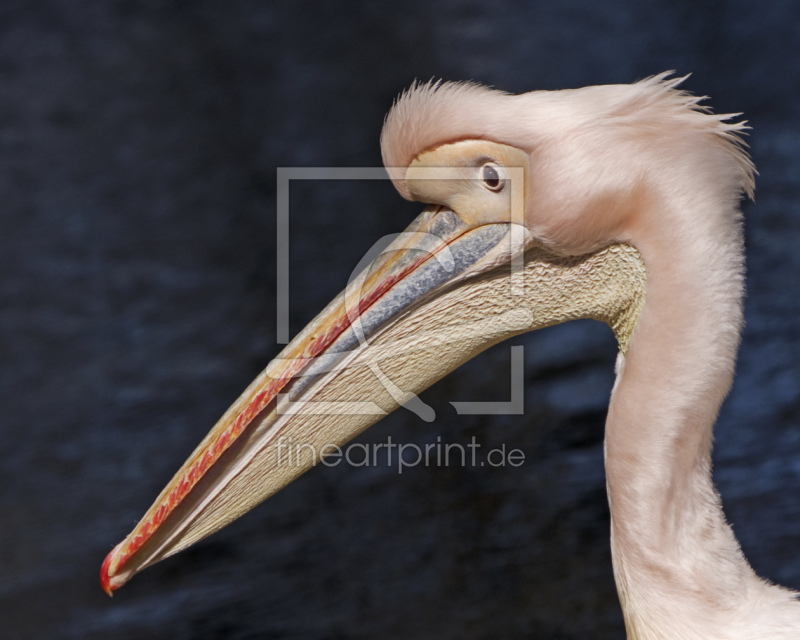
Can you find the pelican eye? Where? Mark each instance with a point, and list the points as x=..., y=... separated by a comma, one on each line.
x=490, y=175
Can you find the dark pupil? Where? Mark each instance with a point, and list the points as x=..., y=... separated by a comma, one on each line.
x=490, y=177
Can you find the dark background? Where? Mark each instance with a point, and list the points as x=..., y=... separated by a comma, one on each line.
x=138, y=150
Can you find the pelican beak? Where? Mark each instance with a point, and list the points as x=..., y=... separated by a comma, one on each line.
x=321, y=391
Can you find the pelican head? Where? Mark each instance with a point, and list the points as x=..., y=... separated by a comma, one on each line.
x=618, y=203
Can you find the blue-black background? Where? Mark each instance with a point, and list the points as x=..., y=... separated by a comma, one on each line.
x=138, y=150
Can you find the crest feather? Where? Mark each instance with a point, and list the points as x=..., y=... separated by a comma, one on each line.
x=433, y=113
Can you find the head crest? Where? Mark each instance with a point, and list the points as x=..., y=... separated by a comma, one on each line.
x=430, y=114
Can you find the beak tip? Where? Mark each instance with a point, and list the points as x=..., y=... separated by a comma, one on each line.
x=106, y=582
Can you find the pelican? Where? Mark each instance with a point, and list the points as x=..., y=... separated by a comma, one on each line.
x=618, y=203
